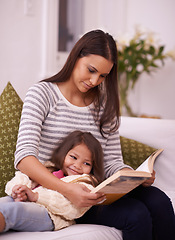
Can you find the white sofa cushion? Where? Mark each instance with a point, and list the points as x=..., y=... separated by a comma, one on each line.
x=74, y=232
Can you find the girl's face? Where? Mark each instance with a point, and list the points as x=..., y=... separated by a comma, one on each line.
x=78, y=161
x=90, y=71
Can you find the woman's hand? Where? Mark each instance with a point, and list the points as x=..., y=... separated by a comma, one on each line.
x=149, y=181
x=80, y=195
x=21, y=193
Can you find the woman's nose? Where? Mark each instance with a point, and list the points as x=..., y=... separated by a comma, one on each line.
x=94, y=80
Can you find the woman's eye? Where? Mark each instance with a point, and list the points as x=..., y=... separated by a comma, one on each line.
x=102, y=76
x=91, y=70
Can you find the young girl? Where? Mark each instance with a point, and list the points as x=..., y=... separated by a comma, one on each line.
x=80, y=158
x=84, y=96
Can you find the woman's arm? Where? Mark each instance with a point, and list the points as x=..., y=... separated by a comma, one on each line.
x=78, y=194
x=56, y=203
x=39, y=103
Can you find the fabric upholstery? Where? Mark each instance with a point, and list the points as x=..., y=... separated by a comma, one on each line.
x=10, y=112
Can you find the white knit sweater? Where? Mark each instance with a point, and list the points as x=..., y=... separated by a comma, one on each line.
x=60, y=209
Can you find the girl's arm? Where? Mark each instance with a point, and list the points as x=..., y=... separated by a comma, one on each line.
x=78, y=194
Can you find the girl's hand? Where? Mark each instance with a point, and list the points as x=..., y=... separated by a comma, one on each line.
x=17, y=194
x=149, y=181
x=80, y=195
x=22, y=193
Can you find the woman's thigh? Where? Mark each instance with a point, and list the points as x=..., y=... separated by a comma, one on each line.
x=161, y=210
x=25, y=216
x=127, y=214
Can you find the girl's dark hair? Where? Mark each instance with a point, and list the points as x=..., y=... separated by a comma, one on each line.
x=99, y=43
x=75, y=138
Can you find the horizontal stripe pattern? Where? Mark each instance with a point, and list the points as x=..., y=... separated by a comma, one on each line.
x=47, y=117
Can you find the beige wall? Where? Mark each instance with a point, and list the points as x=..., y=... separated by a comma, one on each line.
x=20, y=45
x=27, y=44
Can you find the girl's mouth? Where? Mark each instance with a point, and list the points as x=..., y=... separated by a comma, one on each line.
x=74, y=172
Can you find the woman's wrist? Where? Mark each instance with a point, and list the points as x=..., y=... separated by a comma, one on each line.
x=63, y=188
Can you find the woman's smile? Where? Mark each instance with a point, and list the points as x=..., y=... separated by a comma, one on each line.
x=87, y=85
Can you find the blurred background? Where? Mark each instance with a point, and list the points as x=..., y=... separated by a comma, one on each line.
x=37, y=35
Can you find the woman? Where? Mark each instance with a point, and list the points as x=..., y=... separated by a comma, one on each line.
x=84, y=96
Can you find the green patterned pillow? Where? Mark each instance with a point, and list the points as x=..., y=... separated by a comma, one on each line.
x=134, y=152
x=10, y=112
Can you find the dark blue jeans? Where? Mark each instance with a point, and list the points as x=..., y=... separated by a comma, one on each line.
x=146, y=213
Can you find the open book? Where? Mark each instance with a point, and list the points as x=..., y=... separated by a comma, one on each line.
x=122, y=182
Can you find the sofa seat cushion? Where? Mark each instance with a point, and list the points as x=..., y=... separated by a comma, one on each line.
x=74, y=232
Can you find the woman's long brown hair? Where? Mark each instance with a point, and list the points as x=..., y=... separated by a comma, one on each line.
x=99, y=43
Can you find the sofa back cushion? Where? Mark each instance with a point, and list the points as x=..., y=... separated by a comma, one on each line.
x=10, y=112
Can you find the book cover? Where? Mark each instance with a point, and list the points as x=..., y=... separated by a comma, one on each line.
x=122, y=182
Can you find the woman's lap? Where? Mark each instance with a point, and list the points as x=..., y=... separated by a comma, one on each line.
x=24, y=216
x=128, y=215
x=161, y=209
x=134, y=213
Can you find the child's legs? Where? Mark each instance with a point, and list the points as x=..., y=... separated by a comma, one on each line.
x=2, y=220
x=6, y=199
x=25, y=216
x=127, y=214
x=161, y=211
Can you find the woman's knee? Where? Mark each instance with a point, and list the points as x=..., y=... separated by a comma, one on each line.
x=138, y=222
x=157, y=201
x=139, y=216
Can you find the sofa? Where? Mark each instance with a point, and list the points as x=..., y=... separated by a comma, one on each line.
x=153, y=133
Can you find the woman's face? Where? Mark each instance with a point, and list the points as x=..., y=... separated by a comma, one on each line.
x=78, y=161
x=90, y=71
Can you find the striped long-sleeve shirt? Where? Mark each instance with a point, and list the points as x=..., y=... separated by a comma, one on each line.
x=47, y=117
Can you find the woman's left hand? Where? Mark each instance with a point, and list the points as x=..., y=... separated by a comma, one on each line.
x=149, y=181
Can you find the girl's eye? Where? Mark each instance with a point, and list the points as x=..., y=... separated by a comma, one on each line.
x=88, y=164
x=72, y=156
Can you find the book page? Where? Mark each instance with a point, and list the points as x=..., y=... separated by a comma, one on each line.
x=144, y=166
x=148, y=164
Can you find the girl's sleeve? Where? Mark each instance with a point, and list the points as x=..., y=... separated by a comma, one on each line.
x=19, y=178
x=35, y=108
x=57, y=204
